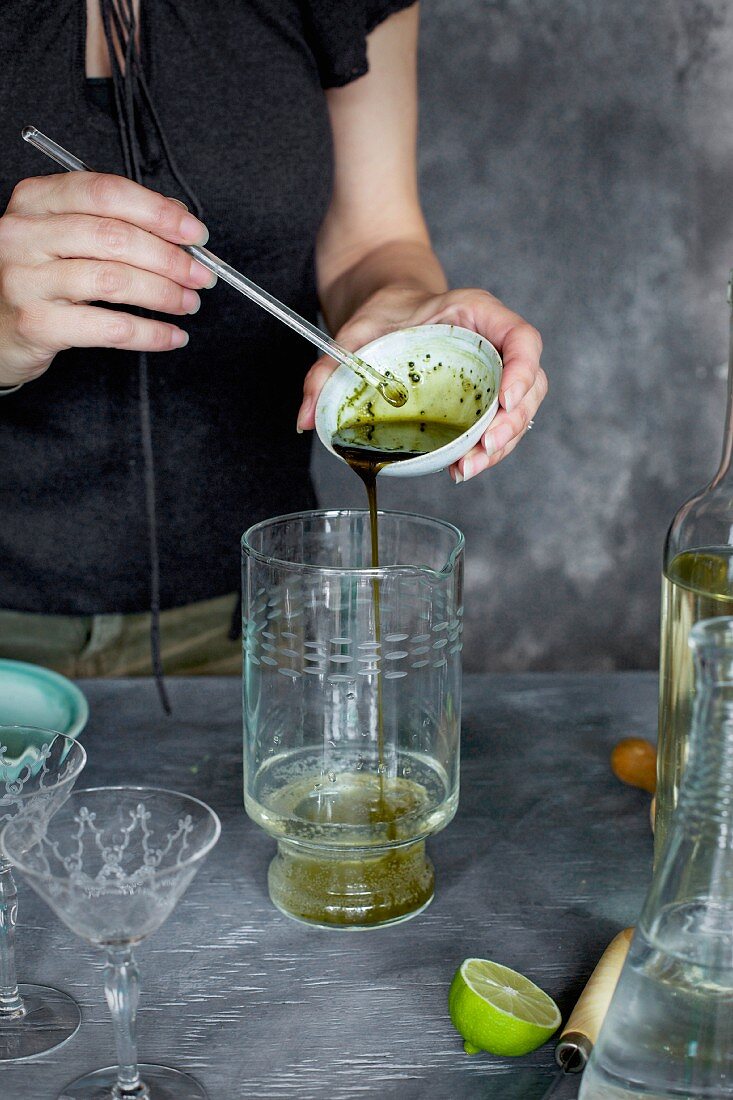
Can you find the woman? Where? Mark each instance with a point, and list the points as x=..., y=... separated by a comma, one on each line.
x=135, y=449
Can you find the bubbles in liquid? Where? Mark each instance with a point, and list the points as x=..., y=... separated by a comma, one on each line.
x=332, y=777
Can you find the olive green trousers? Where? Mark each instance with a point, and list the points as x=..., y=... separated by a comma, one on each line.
x=194, y=641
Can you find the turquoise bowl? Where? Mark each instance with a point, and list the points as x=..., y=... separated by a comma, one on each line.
x=31, y=695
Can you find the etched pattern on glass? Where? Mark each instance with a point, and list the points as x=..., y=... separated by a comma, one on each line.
x=38, y=779
x=113, y=875
x=112, y=863
x=132, y=846
x=275, y=639
x=38, y=768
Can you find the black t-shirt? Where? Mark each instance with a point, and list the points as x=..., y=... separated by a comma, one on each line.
x=238, y=85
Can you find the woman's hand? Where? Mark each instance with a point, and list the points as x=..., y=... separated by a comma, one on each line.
x=523, y=384
x=67, y=240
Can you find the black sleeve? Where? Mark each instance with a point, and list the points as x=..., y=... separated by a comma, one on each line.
x=338, y=33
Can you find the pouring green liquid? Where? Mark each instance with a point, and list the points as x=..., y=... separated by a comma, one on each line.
x=368, y=447
x=387, y=885
x=399, y=876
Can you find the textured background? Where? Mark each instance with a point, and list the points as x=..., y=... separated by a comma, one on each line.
x=577, y=160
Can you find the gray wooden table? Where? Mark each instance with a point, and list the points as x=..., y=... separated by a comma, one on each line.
x=548, y=857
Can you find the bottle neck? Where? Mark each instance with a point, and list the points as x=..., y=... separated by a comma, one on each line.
x=727, y=456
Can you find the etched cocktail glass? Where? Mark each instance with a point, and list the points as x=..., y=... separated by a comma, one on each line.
x=38, y=768
x=112, y=863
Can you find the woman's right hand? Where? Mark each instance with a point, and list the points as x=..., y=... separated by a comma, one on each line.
x=68, y=240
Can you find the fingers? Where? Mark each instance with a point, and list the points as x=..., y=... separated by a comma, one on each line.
x=508, y=426
x=503, y=436
x=313, y=383
x=108, y=196
x=520, y=343
x=100, y=280
x=475, y=462
x=521, y=352
x=81, y=235
x=58, y=326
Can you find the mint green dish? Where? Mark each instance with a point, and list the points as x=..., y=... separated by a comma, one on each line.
x=31, y=695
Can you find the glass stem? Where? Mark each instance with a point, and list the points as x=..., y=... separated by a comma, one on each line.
x=11, y=1002
x=122, y=990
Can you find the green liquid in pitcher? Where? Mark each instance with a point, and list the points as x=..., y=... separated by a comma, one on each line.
x=353, y=887
x=698, y=584
x=368, y=810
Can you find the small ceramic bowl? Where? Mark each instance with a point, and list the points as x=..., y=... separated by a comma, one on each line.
x=452, y=374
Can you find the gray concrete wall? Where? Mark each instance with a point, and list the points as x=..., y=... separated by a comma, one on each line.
x=577, y=160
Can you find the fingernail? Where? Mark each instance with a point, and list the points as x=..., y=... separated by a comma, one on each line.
x=512, y=396
x=305, y=410
x=179, y=338
x=200, y=274
x=457, y=477
x=178, y=202
x=193, y=230
x=468, y=470
x=191, y=301
x=500, y=437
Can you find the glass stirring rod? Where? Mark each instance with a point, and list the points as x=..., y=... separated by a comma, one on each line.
x=391, y=389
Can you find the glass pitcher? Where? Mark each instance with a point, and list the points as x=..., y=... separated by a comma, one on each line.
x=668, y=1032
x=352, y=705
x=697, y=583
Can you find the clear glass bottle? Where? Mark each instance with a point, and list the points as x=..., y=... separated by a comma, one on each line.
x=697, y=583
x=668, y=1032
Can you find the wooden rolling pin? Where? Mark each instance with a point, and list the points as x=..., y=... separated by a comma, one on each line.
x=581, y=1031
x=634, y=761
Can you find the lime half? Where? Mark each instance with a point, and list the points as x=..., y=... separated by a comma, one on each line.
x=497, y=1009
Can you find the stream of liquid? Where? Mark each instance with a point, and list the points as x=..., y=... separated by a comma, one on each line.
x=368, y=448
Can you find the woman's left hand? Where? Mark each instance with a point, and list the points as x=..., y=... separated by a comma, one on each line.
x=523, y=384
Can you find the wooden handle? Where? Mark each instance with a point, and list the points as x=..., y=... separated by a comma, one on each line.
x=588, y=1015
x=634, y=761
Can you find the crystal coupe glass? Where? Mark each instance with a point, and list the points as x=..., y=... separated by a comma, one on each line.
x=38, y=768
x=112, y=863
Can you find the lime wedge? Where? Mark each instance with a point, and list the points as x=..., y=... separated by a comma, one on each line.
x=497, y=1009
